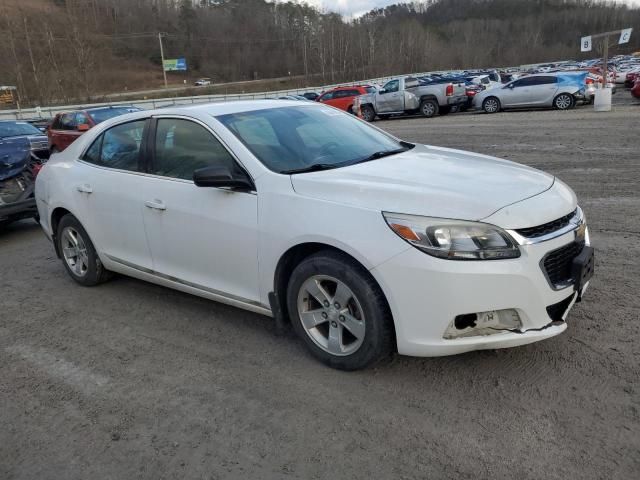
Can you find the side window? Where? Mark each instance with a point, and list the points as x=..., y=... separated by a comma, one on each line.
x=81, y=119
x=118, y=147
x=93, y=154
x=410, y=82
x=68, y=121
x=327, y=96
x=182, y=147
x=392, y=86
x=353, y=93
x=546, y=80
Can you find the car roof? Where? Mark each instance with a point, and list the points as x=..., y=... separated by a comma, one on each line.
x=215, y=109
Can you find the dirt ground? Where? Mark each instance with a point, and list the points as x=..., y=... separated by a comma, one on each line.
x=130, y=380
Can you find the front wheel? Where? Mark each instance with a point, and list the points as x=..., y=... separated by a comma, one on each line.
x=78, y=253
x=339, y=311
x=491, y=105
x=368, y=113
x=564, y=101
x=429, y=108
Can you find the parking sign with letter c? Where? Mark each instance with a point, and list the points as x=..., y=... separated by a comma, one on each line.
x=625, y=35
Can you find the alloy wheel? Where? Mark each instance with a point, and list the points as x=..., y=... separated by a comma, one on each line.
x=563, y=102
x=331, y=315
x=491, y=105
x=74, y=251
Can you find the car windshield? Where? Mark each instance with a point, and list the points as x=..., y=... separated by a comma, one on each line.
x=14, y=129
x=306, y=138
x=102, y=114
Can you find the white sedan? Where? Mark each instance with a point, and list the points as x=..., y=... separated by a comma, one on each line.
x=365, y=243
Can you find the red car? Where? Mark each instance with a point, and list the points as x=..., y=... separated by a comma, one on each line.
x=342, y=97
x=68, y=126
x=635, y=91
x=631, y=78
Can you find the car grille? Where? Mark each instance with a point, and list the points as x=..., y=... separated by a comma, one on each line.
x=557, y=310
x=558, y=264
x=550, y=227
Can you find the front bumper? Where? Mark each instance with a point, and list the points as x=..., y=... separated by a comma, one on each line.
x=426, y=294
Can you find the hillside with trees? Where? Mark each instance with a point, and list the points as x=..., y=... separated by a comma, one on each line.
x=63, y=50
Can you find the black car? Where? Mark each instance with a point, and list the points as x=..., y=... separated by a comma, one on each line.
x=313, y=96
x=23, y=150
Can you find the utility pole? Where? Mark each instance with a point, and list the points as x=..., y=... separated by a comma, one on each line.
x=164, y=73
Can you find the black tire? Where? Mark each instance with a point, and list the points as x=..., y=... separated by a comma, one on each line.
x=351, y=110
x=368, y=113
x=429, y=108
x=379, y=339
x=491, y=105
x=95, y=272
x=564, y=101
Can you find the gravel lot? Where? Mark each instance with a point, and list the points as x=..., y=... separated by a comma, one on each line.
x=130, y=380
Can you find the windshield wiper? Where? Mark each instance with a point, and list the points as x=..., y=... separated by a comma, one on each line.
x=386, y=153
x=316, y=167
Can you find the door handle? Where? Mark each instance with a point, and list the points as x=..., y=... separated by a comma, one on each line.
x=155, y=204
x=86, y=188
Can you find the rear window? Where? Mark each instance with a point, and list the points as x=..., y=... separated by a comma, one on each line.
x=101, y=114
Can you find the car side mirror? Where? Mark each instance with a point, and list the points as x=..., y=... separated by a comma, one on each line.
x=221, y=177
x=83, y=127
x=382, y=91
x=510, y=86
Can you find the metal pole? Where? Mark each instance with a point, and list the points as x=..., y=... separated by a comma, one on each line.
x=164, y=73
x=605, y=61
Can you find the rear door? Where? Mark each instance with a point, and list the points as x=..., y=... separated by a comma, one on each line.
x=111, y=188
x=543, y=90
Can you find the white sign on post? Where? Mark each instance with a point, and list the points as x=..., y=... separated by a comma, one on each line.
x=585, y=44
x=625, y=35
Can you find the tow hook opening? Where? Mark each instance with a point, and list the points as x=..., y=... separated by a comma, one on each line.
x=484, y=323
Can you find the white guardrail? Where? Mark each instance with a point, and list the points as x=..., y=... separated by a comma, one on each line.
x=50, y=112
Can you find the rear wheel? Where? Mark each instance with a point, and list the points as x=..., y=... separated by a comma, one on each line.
x=429, y=108
x=78, y=253
x=339, y=312
x=491, y=105
x=564, y=101
x=368, y=114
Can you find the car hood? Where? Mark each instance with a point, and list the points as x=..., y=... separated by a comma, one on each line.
x=429, y=181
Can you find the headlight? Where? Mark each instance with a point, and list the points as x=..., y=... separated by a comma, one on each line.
x=453, y=239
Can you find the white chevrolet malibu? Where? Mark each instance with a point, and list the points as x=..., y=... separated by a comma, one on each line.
x=365, y=243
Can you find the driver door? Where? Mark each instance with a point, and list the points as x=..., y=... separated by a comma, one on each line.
x=516, y=93
x=391, y=100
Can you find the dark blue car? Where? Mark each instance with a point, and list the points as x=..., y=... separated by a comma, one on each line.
x=23, y=150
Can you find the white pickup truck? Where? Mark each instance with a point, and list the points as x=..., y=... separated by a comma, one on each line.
x=406, y=95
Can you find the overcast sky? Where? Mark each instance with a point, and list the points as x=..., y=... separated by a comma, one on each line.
x=358, y=7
